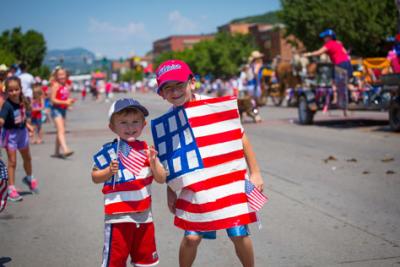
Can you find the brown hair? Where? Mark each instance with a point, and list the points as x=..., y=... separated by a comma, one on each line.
x=23, y=100
x=37, y=91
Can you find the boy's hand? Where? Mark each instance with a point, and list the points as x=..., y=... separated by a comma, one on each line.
x=152, y=154
x=257, y=180
x=114, y=166
x=171, y=200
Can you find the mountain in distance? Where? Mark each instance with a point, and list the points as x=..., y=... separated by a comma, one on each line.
x=267, y=18
x=76, y=60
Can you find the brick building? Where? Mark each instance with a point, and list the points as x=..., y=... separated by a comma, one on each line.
x=120, y=66
x=272, y=41
x=178, y=42
x=242, y=28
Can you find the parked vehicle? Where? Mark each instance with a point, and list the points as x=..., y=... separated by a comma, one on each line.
x=383, y=94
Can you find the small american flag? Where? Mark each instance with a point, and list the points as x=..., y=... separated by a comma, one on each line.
x=131, y=159
x=3, y=185
x=255, y=197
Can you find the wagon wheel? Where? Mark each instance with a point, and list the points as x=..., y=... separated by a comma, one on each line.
x=306, y=115
x=394, y=116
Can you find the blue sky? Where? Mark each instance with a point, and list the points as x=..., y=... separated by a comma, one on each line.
x=121, y=28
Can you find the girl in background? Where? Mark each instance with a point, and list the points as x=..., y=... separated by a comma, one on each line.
x=37, y=111
x=15, y=136
x=61, y=101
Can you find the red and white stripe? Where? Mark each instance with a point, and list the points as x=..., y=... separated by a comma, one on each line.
x=3, y=194
x=130, y=196
x=214, y=198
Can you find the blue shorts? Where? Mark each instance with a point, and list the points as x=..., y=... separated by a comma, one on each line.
x=56, y=112
x=241, y=230
x=348, y=67
x=37, y=122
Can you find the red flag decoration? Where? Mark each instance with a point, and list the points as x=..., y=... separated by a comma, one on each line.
x=254, y=196
x=201, y=146
x=3, y=194
x=130, y=158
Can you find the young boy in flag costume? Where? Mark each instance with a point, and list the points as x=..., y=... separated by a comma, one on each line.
x=201, y=144
x=127, y=167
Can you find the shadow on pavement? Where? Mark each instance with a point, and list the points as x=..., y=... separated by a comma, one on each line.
x=24, y=193
x=4, y=260
x=353, y=123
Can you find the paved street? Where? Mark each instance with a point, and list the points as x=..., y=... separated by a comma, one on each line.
x=334, y=192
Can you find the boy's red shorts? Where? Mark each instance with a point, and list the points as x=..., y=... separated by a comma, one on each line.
x=124, y=239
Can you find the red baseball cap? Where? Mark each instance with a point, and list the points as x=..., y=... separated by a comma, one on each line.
x=172, y=71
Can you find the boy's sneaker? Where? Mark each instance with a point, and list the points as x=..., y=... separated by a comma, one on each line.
x=32, y=184
x=13, y=194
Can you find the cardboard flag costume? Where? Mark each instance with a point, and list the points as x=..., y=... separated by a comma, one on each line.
x=200, y=145
x=130, y=189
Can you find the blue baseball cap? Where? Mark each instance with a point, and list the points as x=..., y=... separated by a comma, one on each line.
x=124, y=103
x=328, y=32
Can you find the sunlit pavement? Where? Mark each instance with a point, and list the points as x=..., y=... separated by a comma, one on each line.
x=334, y=191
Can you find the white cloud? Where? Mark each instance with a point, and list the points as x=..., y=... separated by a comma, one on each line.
x=180, y=23
x=117, y=40
x=132, y=28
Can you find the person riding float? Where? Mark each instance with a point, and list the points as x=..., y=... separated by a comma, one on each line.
x=394, y=56
x=336, y=52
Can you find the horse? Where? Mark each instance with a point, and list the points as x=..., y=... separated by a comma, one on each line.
x=291, y=74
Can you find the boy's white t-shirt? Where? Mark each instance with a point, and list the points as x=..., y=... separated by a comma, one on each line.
x=137, y=217
x=133, y=217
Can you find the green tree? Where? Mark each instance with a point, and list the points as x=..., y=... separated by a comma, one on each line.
x=138, y=73
x=6, y=57
x=43, y=72
x=268, y=18
x=33, y=49
x=221, y=56
x=362, y=25
x=128, y=76
x=28, y=48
